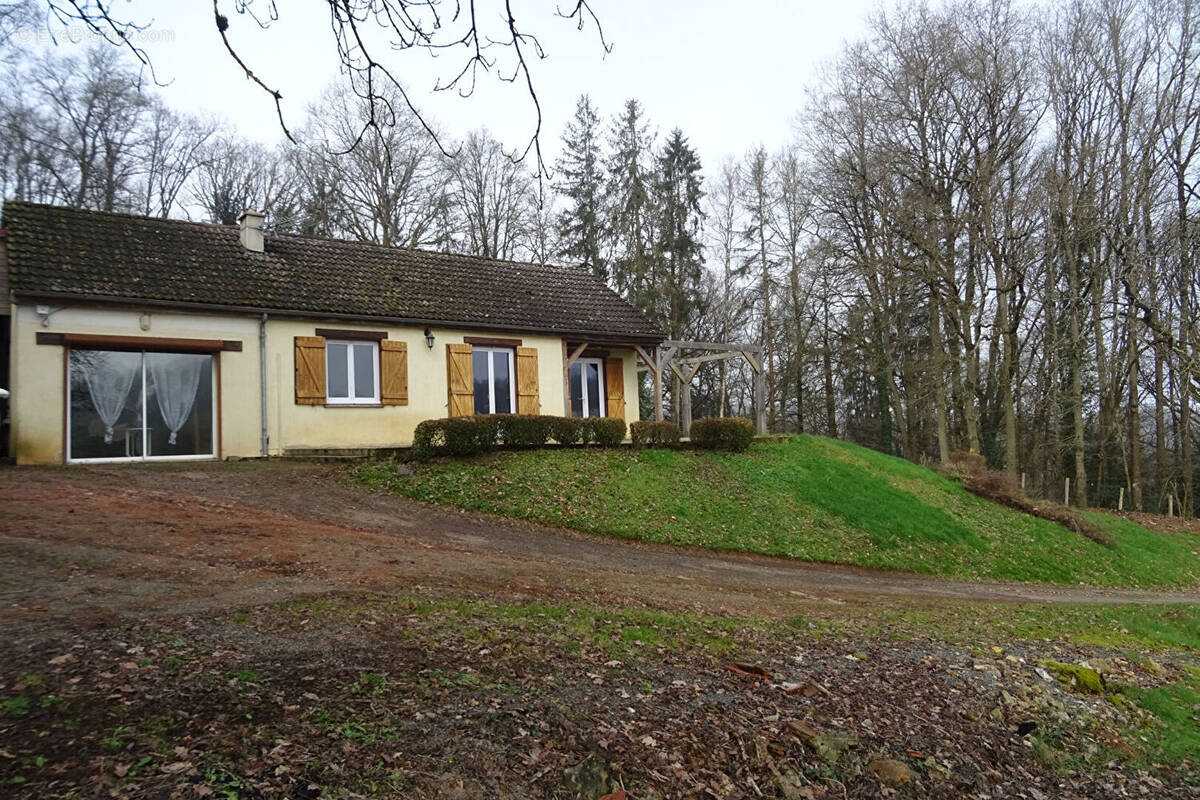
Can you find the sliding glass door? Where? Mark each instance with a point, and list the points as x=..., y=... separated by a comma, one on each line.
x=140, y=405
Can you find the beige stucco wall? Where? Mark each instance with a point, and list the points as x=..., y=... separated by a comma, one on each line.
x=38, y=389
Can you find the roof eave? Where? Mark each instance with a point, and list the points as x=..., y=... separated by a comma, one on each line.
x=608, y=337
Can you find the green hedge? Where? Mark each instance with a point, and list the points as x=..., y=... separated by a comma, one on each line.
x=606, y=431
x=467, y=436
x=648, y=433
x=723, y=433
x=567, y=430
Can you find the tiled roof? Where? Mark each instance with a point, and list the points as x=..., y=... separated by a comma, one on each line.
x=56, y=251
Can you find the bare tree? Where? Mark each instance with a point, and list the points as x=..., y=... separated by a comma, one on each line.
x=388, y=189
x=490, y=197
x=172, y=148
x=234, y=174
x=90, y=127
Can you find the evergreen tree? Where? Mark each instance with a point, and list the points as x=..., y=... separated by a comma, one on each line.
x=627, y=196
x=678, y=248
x=580, y=225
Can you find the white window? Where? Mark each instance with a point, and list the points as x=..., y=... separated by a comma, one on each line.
x=587, y=388
x=352, y=372
x=495, y=388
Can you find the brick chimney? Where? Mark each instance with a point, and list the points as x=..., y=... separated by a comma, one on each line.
x=250, y=230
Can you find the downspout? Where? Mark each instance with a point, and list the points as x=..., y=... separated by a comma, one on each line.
x=262, y=380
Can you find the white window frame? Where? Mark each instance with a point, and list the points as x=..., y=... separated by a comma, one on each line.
x=599, y=362
x=508, y=353
x=144, y=431
x=354, y=399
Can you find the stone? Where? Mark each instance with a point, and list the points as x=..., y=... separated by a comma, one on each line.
x=828, y=746
x=792, y=786
x=891, y=772
x=404, y=470
x=456, y=787
x=588, y=780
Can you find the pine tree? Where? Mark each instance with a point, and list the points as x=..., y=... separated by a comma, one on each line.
x=581, y=182
x=629, y=204
x=678, y=248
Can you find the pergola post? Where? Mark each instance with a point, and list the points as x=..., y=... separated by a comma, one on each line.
x=760, y=402
x=685, y=409
x=656, y=367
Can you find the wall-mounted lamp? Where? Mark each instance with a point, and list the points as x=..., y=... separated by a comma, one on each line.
x=429, y=338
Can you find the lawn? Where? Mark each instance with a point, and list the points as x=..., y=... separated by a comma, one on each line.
x=810, y=498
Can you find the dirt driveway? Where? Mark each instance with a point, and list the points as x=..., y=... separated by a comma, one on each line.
x=148, y=655
x=96, y=541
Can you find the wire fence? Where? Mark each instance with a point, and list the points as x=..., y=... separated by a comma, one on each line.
x=1116, y=494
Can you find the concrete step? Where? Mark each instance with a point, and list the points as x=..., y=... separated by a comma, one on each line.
x=338, y=453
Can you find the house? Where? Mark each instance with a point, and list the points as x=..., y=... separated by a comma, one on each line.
x=133, y=338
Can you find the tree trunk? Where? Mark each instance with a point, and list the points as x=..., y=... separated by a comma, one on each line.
x=1160, y=424
x=1186, y=504
x=1007, y=373
x=938, y=352
x=1075, y=334
x=830, y=402
x=1135, y=426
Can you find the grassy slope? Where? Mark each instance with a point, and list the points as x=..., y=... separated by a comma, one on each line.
x=811, y=498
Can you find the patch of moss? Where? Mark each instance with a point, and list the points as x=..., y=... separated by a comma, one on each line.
x=1083, y=679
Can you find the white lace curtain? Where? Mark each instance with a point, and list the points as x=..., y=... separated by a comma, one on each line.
x=109, y=377
x=176, y=377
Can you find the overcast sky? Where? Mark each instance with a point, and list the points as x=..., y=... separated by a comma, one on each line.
x=730, y=73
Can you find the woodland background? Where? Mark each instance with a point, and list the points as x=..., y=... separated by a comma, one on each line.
x=982, y=238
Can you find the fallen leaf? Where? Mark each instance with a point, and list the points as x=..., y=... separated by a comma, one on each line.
x=749, y=670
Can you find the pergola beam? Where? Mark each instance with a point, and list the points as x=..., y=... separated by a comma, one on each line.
x=738, y=348
x=711, y=357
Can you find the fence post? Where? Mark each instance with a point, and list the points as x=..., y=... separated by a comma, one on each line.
x=1121, y=500
x=1067, y=492
x=1170, y=505
x=1022, y=481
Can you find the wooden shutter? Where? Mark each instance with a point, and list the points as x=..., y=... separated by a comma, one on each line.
x=527, y=381
x=461, y=380
x=310, y=370
x=393, y=373
x=614, y=379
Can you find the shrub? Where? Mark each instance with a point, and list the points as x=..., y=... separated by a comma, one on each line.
x=648, y=433
x=566, y=430
x=466, y=436
x=723, y=433
x=455, y=436
x=426, y=439
x=607, y=431
x=521, y=430
x=965, y=462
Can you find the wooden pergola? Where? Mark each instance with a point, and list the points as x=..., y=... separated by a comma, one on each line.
x=684, y=359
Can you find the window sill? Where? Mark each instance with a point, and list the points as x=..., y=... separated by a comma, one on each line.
x=354, y=405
